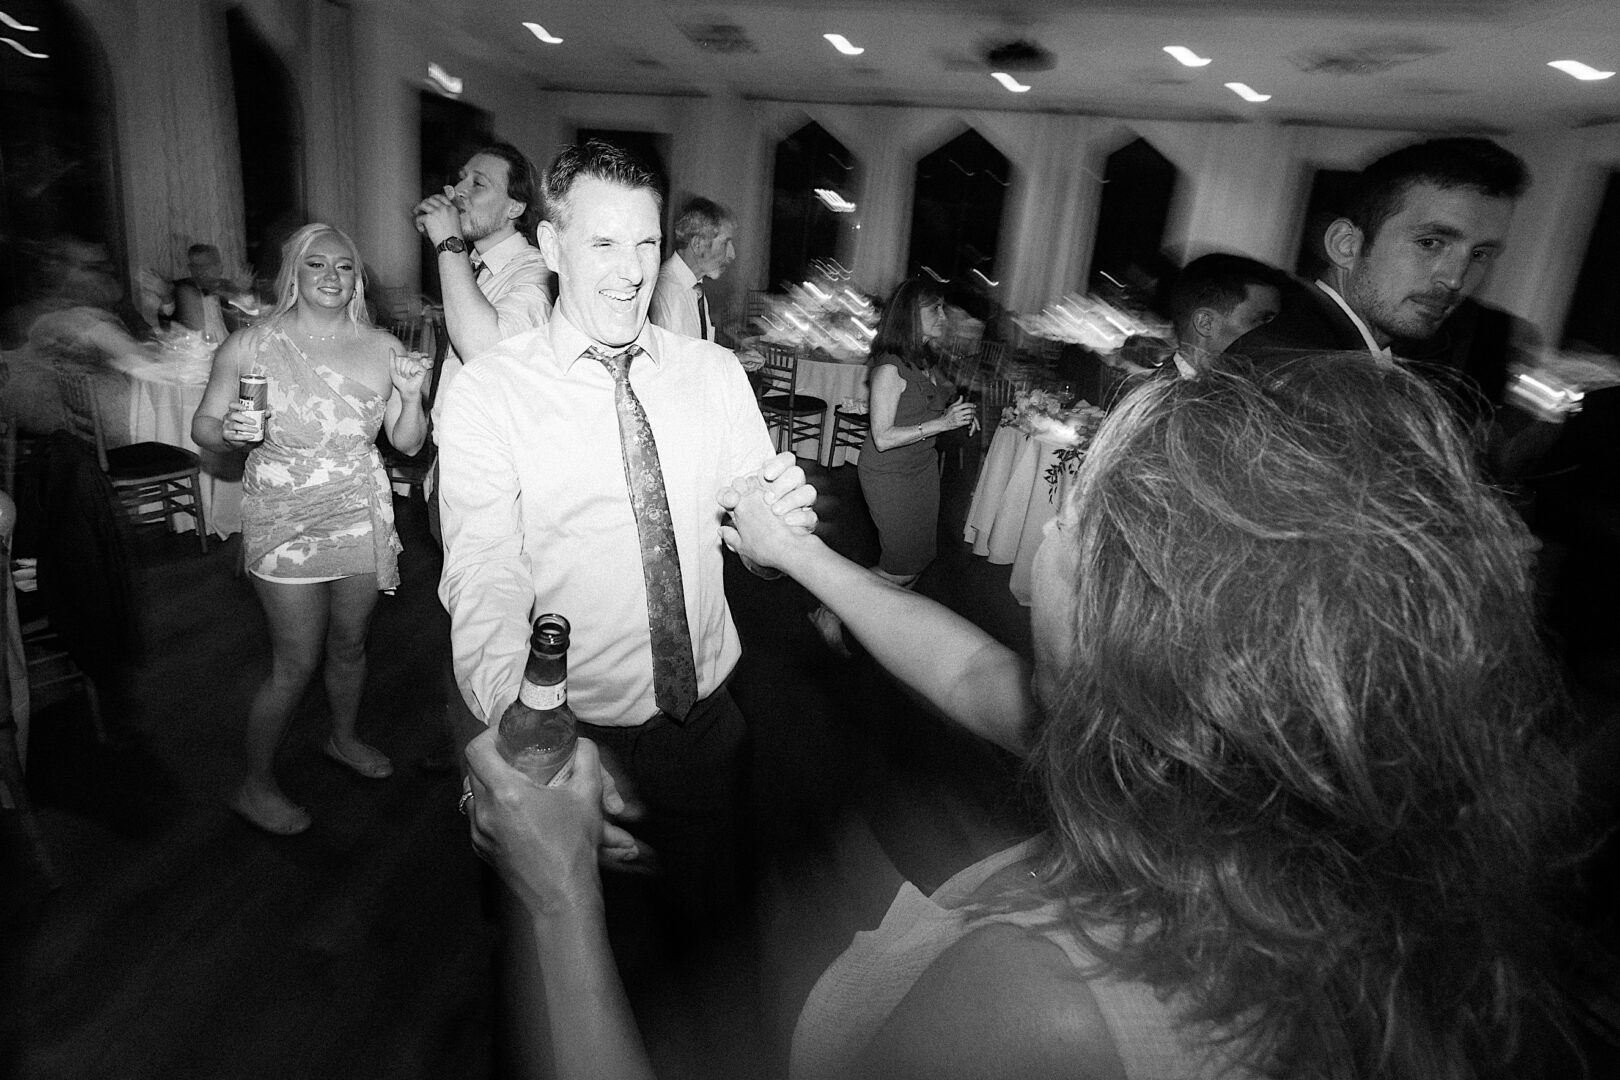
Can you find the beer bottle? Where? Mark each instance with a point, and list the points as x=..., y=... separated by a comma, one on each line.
x=536, y=732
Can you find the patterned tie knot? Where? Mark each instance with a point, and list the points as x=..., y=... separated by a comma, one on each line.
x=618, y=364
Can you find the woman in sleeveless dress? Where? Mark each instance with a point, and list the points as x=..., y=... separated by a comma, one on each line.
x=317, y=509
x=1295, y=733
x=911, y=402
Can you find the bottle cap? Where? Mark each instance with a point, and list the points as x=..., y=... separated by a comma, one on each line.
x=550, y=634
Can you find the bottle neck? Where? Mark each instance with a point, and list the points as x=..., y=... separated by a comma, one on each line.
x=545, y=681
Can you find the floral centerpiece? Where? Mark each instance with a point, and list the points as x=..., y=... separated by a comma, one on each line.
x=1042, y=415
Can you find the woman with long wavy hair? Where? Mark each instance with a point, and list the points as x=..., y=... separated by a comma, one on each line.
x=1294, y=732
x=318, y=535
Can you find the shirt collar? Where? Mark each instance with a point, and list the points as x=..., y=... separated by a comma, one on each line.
x=1380, y=351
x=568, y=342
x=680, y=271
x=502, y=253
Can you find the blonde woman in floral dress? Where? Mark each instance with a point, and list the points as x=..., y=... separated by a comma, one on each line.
x=317, y=512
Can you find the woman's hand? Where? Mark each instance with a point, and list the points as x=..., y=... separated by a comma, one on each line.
x=760, y=526
x=409, y=372
x=239, y=430
x=961, y=413
x=542, y=840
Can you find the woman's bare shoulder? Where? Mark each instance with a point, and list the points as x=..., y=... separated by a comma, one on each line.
x=1000, y=1002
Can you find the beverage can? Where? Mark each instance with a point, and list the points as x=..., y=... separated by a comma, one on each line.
x=253, y=393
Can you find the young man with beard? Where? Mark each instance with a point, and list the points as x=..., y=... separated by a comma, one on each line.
x=1423, y=226
x=494, y=282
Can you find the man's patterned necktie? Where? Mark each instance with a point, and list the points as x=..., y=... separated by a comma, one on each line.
x=703, y=311
x=674, y=672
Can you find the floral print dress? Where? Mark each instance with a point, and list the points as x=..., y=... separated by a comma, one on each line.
x=316, y=499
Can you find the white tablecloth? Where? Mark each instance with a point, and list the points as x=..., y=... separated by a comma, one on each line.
x=163, y=396
x=1021, y=484
x=832, y=383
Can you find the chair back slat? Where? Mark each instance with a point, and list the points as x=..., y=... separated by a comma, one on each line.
x=780, y=372
x=82, y=414
x=998, y=394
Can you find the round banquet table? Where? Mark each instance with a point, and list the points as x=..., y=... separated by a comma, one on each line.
x=164, y=394
x=1021, y=484
x=831, y=381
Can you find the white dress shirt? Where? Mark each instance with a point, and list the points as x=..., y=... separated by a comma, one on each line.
x=1381, y=352
x=675, y=300
x=536, y=516
x=518, y=286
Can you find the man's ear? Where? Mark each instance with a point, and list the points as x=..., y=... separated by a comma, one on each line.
x=1343, y=243
x=546, y=234
x=1203, y=322
x=514, y=209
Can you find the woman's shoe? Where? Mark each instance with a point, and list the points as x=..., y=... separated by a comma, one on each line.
x=374, y=765
x=277, y=816
x=831, y=630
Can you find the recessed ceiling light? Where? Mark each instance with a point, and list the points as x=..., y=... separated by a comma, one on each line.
x=1244, y=91
x=1186, y=55
x=834, y=201
x=1008, y=81
x=1579, y=70
x=540, y=32
x=841, y=43
x=450, y=84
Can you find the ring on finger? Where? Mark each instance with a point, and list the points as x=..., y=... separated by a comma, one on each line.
x=461, y=804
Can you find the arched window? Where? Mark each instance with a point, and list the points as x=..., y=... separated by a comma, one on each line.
x=56, y=147
x=1128, y=256
x=1591, y=323
x=270, y=140
x=956, y=219
x=813, y=204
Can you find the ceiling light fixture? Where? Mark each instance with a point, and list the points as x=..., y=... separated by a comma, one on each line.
x=1247, y=93
x=1186, y=56
x=1579, y=70
x=540, y=32
x=842, y=44
x=1008, y=81
x=449, y=84
x=834, y=201
x=25, y=50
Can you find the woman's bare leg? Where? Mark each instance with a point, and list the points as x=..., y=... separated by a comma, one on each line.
x=353, y=601
x=297, y=615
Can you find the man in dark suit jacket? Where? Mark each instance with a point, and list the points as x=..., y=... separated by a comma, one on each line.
x=1422, y=228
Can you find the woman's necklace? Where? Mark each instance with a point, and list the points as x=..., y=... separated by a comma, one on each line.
x=319, y=337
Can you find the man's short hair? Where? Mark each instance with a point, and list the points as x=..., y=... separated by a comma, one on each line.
x=1219, y=281
x=598, y=160
x=700, y=219
x=1480, y=164
x=521, y=183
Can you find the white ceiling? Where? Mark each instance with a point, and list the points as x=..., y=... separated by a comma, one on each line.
x=1443, y=64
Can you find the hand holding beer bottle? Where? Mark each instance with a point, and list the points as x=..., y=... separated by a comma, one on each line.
x=537, y=730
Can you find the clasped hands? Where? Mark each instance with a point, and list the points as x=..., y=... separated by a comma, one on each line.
x=546, y=842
